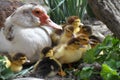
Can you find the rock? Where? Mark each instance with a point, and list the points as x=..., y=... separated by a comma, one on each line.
x=28, y=78
x=108, y=11
x=99, y=29
x=6, y=8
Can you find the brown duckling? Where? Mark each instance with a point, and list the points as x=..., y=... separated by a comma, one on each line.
x=87, y=30
x=55, y=36
x=94, y=41
x=48, y=66
x=73, y=50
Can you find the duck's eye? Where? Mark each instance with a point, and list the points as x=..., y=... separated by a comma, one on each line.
x=37, y=12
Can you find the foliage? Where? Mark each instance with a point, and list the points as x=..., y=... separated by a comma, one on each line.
x=89, y=11
x=107, y=50
x=109, y=60
x=85, y=73
x=108, y=68
x=61, y=9
x=5, y=73
x=108, y=73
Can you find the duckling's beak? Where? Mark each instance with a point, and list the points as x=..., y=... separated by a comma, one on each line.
x=91, y=42
x=28, y=61
x=82, y=46
x=45, y=20
x=74, y=35
x=81, y=24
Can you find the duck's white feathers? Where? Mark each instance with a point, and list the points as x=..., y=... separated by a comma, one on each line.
x=27, y=41
x=28, y=38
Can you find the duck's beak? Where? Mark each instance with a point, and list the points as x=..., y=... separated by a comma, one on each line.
x=50, y=23
x=45, y=20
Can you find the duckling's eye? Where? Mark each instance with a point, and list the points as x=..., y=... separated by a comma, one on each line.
x=77, y=21
x=67, y=30
x=84, y=39
x=85, y=29
x=22, y=58
x=77, y=43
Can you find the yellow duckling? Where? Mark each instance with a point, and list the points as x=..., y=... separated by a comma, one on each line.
x=17, y=61
x=67, y=34
x=48, y=66
x=75, y=22
x=73, y=50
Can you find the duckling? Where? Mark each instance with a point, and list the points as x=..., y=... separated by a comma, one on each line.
x=75, y=22
x=63, y=35
x=17, y=61
x=84, y=39
x=94, y=41
x=55, y=37
x=87, y=30
x=48, y=66
x=73, y=50
x=67, y=34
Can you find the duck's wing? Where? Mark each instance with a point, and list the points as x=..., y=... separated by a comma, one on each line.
x=5, y=45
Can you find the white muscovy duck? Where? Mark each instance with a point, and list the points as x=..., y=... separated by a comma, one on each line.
x=27, y=31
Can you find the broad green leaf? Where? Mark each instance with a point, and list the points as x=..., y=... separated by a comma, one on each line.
x=91, y=55
x=108, y=73
x=86, y=73
x=112, y=63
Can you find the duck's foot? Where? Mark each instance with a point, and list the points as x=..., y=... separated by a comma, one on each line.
x=61, y=73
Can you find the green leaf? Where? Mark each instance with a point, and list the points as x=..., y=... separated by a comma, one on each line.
x=112, y=63
x=108, y=73
x=23, y=72
x=90, y=12
x=5, y=73
x=58, y=5
x=86, y=72
x=118, y=64
x=90, y=55
x=60, y=9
